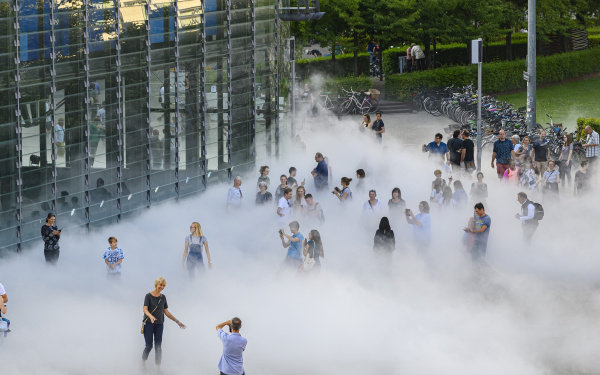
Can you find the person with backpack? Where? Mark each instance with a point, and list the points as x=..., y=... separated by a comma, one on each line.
x=530, y=215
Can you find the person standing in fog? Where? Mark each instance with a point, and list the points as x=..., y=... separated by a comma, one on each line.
x=384, y=241
x=455, y=147
x=373, y=208
x=396, y=204
x=479, y=189
x=421, y=225
x=320, y=173
x=565, y=159
x=378, y=128
x=113, y=257
x=192, y=252
x=300, y=201
x=313, y=249
x=294, y=245
x=438, y=149
x=344, y=194
x=155, y=309
x=502, y=153
x=264, y=176
x=234, y=195
x=313, y=210
x=460, y=195
x=541, y=154
x=360, y=185
x=582, y=179
x=551, y=181
x=284, y=207
x=481, y=231
x=467, y=153
x=263, y=196
x=281, y=188
x=291, y=180
x=232, y=360
x=3, y=295
x=51, y=236
x=527, y=217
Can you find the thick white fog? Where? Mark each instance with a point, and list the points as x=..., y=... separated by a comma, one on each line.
x=532, y=311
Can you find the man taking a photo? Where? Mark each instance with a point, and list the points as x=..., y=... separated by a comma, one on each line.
x=232, y=361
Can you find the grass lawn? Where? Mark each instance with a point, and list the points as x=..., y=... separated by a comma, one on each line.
x=564, y=102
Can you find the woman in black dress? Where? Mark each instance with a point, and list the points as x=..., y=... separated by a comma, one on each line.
x=51, y=235
x=155, y=309
x=384, y=241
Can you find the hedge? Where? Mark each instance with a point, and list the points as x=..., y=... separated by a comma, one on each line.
x=335, y=84
x=582, y=122
x=497, y=76
x=594, y=40
x=342, y=66
x=456, y=54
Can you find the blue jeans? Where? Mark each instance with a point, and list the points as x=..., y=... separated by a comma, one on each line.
x=150, y=331
x=478, y=251
x=194, y=260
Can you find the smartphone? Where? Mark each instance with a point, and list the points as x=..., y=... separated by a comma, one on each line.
x=407, y=212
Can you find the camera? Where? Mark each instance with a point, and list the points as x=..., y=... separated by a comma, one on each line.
x=280, y=231
x=335, y=189
x=407, y=212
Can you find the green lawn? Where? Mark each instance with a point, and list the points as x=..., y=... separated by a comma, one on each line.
x=565, y=103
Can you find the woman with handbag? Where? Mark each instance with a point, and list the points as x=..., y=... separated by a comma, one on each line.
x=551, y=180
x=312, y=249
x=155, y=309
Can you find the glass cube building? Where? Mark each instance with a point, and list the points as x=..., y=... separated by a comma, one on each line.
x=108, y=107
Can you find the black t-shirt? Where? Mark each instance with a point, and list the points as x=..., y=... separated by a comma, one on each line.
x=454, y=145
x=540, y=150
x=469, y=147
x=377, y=126
x=160, y=303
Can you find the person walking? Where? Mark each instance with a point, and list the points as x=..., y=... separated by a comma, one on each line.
x=312, y=249
x=192, y=251
x=263, y=196
x=51, y=236
x=455, y=147
x=234, y=194
x=113, y=257
x=467, y=153
x=155, y=309
x=564, y=167
x=524, y=150
x=527, y=176
x=503, y=151
x=541, y=154
x=482, y=231
x=551, y=181
x=591, y=145
x=438, y=149
x=378, y=127
x=384, y=241
x=232, y=359
x=582, y=180
x=320, y=173
x=511, y=174
x=526, y=216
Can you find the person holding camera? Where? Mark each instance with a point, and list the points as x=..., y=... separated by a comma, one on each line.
x=51, y=236
x=232, y=359
x=421, y=224
x=294, y=244
x=344, y=193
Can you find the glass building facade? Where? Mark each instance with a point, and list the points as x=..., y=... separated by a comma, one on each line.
x=109, y=107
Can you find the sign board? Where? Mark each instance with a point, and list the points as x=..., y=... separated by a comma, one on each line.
x=476, y=51
x=526, y=76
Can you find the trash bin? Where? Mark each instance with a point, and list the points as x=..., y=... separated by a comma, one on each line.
x=401, y=63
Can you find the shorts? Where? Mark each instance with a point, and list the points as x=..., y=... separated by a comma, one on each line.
x=500, y=169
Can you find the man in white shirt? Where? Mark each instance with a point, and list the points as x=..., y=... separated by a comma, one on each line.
x=373, y=209
x=528, y=223
x=284, y=207
x=592, y=145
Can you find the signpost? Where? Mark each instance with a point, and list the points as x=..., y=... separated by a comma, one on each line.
x=476, y=58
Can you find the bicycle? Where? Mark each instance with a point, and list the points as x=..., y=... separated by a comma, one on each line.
x=360, y=101
x=325, y=102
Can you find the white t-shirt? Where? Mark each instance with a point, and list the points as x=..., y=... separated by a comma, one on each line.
x=234, y=196
x=375, y=210
x=2, y=290
x=285, y=206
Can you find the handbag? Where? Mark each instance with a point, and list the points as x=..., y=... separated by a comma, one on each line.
x=145, y=320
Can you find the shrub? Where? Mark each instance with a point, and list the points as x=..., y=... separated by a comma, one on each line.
x=336, y=84
x=582, y=122
x=497, y=76
x=342, y=66
x=456, y=54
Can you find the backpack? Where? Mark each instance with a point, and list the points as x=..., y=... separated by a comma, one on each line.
x=539, y=211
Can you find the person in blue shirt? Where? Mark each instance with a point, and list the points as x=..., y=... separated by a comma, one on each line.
x=113, y=257
x=294, y=244
x=460, y=195
x=321, y=172
x=421, y=223
x=438, y=149
x=232, y=360
x=481, y=231
x=503, y=151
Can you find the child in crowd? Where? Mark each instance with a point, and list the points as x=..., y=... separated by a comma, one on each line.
x=113, y=257
x=437, y=186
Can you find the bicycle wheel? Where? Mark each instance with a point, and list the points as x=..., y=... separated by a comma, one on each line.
x=346, y=107
x=366, y=106
x=417, y=103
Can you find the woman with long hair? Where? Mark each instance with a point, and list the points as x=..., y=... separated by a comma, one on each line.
x=299, y=200
x=51, y=236
x=479, y=189
x=367, y=124
x=446, y=201
x=396, y=203
x=264, y=176
x=551, y=180
x=192, y=253
x=312, y=249
x=155, y=309
x=281, y=188
x=384, y=240
x=527, y=176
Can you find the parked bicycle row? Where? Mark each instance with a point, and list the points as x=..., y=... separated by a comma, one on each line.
x=354, y=102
